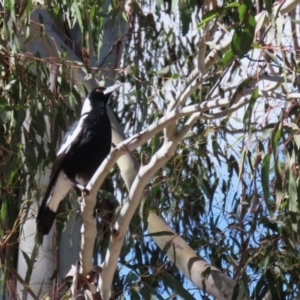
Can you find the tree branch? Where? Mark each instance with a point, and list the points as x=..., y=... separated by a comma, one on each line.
x=145, y=173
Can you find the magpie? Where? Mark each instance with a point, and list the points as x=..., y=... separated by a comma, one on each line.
x=84, y=147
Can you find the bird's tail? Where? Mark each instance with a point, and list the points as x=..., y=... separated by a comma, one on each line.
x=45, y=219
x=57, y=189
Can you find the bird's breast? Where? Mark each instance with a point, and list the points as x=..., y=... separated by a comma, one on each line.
x=91, y=148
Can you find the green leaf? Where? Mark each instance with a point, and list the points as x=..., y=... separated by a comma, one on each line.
x=78, y=14
x=10, y=84
x=292, y=187
x=4, y=211
x=160, y=233
x=233, y=4
x=186, y=8
x=163, y=72
x=273, y=57
x=28, y=261
x=269, y=6
x=236, y=290
x=152, y=291
x=276, y=135
x=244, y=32
x=275, y=138
x=5, y=116
x=242, y=162
x=207, y=17
x=242, y=11
x=178, y=288
x=131, y=278
x=297, y=140
x=227, y=58
x=248, y=113
x=280, y=21
x=296, y=21
x=239, y=89
x=266, y=262
x=241, y=42
x=159, y=3
x=265, y=176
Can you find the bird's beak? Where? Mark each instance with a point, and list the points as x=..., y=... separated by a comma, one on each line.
x=111, y=89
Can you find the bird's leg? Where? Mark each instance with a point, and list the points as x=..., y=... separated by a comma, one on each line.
x=85, y=192
x=77, y=185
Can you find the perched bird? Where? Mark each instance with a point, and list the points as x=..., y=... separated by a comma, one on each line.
x=85, y=146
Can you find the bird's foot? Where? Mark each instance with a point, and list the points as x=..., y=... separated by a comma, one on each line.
x=85, y=192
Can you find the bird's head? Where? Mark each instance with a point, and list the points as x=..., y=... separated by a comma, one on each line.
x=101, y=94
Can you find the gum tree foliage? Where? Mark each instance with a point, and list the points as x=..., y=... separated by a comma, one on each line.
x=230, y=185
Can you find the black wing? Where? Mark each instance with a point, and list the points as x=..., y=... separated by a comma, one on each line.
x=46, y=216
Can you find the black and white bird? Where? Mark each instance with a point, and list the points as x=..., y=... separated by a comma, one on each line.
x=85, y=146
